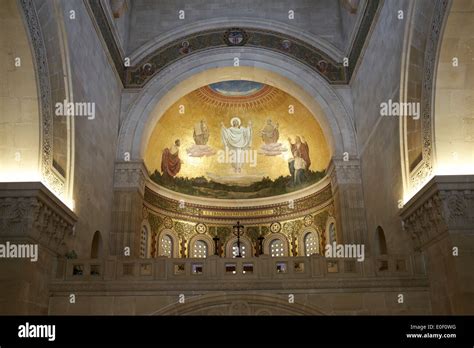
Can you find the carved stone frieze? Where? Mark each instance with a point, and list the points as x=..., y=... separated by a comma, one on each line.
x=444, y=205
x=30, y=210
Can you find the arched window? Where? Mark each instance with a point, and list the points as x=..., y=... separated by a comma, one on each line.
x=144, y=243
x=200, y=249
x=311, y=244
x=231, y=249
x=96, y=248
x=166, y=246
x=332, y=233
x=381, y=243
x=276, y=248
x=235, y=250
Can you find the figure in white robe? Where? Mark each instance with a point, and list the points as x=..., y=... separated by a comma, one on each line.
x=236, y=139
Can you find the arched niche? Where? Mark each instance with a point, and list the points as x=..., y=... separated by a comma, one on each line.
x=145, y=239
x=97, y=247
x=216, y=65
x=174, y=242
x=331, y=231
x=381, y=243
x=205, y=238
x=269, y=238
x=302, y=240
x=249, y=247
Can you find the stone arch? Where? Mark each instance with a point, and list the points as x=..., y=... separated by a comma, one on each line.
x=97, y=246
x=145, y=240
x=256, y=64
x=269, y=238
x=238, y=304
x=331, y=221
x=301, y=239
x=56, y=134
x=205, y=238
x=247, y=242
x=423, y=36
x=174, y=238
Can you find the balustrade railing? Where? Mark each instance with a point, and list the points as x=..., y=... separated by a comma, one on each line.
x=216, y=268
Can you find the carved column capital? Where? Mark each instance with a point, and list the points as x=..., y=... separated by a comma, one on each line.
x=130, y=175
x=344, y=172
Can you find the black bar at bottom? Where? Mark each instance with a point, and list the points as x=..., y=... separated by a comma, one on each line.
x=193, y=330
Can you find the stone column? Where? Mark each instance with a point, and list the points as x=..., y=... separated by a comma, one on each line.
x=127, y=214
x=31, y=214
x=346, y=185
x=440, y=220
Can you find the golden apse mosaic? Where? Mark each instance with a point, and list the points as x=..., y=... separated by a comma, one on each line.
x=237, y=139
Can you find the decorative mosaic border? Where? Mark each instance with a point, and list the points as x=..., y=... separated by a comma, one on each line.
x=268, y=96
x=137, y=76
x=193, y=211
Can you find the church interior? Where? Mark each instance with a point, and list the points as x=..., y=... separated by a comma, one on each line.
x=237, y=157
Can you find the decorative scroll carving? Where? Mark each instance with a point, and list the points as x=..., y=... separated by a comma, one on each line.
x=425, y=169
x=456, y=206
x=439, y=212
x=53, y=180
x=426, y=221
x=292, y=227
x=155, y=221
x=33, y=218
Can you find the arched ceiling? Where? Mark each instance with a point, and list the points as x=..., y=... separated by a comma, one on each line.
x=317, y=54
x=190, y=74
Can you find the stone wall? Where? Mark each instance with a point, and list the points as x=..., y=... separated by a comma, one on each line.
x=19, y=121
x=375, y=302
x=93, y=80
x=454, y=101
x=350, y=12
x=377, y=80
x=120, y=17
